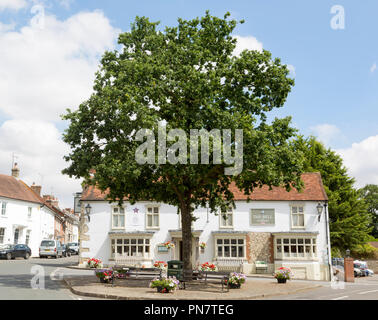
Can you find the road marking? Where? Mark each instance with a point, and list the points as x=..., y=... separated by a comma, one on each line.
x=339, y=298
x=365, y=292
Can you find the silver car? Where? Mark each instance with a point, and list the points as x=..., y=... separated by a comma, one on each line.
x=50, y=248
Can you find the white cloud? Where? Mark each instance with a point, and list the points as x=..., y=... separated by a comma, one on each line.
x=327, y=133
x=249, y=43
x=42, y=72
x=373, y=67
x=39, y=150
x=291, y=69
x=361, y=161
x=12, y=4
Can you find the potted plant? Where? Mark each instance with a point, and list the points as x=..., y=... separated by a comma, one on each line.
x=202, y=245
x=164, y=284
x=208, y=267
x=162, y=265
x=283, y=274
x=104, y=275
x=169, y=244
x=236, y=280
x=94, y=263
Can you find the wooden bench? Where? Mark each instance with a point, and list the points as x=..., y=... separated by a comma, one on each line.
x=261, y=266
x=133, y=273
x=206, y=277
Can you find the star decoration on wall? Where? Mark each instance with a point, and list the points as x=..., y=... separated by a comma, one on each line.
x=136, y=210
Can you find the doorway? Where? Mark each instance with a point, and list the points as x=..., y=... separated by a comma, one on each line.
x=181, y=256
x=16, y=233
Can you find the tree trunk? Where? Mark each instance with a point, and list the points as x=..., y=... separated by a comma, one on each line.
x=186, y=228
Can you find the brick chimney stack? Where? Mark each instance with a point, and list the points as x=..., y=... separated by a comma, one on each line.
x=15, y=171
x=36, y=189
x=50, y=199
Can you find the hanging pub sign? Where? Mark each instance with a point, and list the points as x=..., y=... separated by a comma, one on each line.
x=260, y=217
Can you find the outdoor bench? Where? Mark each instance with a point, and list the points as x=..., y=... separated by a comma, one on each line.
x=132, y=273
x=261, y=266
x=207, y=277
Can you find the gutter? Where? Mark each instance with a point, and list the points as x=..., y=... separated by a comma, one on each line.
x=328, y=240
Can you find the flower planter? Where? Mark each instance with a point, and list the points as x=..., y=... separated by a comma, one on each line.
x=103, y=280
x=234, y=285
x=161, y=290
x=281, y=280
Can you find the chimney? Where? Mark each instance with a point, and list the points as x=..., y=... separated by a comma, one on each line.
x=15, y=171
x=50, y=199
x=36, y=189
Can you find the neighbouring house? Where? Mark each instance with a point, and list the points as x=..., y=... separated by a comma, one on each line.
x=25, y=216
x=277, y=227
x=72, y=223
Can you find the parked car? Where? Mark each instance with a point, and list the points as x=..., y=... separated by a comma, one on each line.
x=362, y=265
x=11, y=251
x=66, y=251
x=73, y=247
x=50, y=248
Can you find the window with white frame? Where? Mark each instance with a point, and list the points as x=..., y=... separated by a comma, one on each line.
x=295, y=247
x=2, y=232
x=297, y=216
x=230, y=247
x=29, y=212
x=152, y=217
x=130, y=247
x=227, y=218
x=3, y=208
x=118, y=217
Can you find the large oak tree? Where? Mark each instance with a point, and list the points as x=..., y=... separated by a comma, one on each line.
x=183, y=77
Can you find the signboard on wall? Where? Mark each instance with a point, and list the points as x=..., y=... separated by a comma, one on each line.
x=162, y=249
x=260, y=217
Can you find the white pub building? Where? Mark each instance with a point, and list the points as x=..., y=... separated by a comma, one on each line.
x=276, y=228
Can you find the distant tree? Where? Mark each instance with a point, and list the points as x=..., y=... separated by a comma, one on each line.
x=184, y=77
x=370, y=194
x=350, y=221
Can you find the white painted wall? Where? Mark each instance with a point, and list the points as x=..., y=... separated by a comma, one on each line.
x=100, y=226
x=40, y=224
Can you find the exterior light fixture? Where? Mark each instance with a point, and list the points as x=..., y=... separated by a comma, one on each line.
x=319, y=207
x=88, y=209
x=347, y=253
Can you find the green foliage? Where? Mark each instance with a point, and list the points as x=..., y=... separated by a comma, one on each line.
x=336, y=253
x=187, y=77
x=370, y=194
x=364, y=251
x=349, y=218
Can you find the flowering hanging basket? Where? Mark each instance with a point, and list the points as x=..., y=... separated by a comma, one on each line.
x=169, y=245
x=202, y=245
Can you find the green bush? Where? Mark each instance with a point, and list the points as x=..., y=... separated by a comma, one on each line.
x=336, y=253
x=365, y=251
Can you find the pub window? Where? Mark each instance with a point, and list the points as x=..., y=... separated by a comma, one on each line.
x=227, y=219
x=230, y=247
x=118, y=217
x=130, y=247
x=295, y=247
x=152, y=217
x=297, y=217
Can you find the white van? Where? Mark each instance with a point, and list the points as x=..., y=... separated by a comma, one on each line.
x=50, y=248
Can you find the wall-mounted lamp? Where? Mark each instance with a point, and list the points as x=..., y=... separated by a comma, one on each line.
x=319, y=207
x=88, y=209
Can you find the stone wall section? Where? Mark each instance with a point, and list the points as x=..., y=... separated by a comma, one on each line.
x=260, y=247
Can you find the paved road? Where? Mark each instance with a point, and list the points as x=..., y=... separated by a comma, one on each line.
x=364, y=288
x=18, y=277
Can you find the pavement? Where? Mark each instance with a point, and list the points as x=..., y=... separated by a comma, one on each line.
x=90, y=286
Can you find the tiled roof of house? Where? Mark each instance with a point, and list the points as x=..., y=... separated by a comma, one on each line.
x=313, y=191
x=13, y=188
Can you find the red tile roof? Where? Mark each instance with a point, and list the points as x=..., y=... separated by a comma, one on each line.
x=13, y=188
x=313, y=191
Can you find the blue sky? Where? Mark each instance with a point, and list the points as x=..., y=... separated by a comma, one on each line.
x=335, y=95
